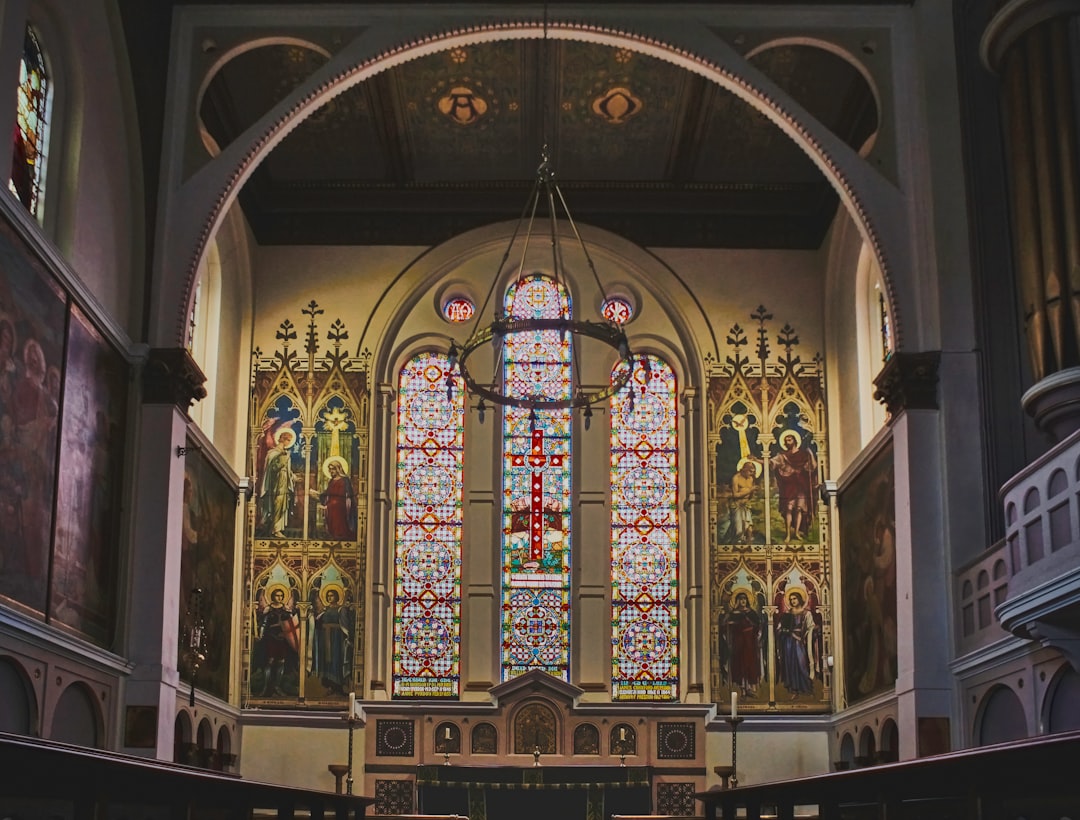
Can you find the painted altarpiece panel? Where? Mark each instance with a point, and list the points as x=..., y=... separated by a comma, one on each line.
x=94, y=416
x=207, y=553
x=63, y=407
x=306, y=558
x=32, y=321
x=867, y=511
x=771, y=576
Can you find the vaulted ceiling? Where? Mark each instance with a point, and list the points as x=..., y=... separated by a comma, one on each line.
x=450, y=142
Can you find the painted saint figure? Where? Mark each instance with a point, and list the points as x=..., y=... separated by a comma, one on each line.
x=795, y=471
x=743, y=632
x=743, y=484
x=331, y=641
x=337, y=500
x=795, y=638
x=277, y=641
x=276, y=489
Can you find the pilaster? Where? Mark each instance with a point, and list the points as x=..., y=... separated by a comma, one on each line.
x=908, y=386
x=171, y=381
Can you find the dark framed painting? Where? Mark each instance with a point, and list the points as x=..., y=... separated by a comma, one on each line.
x=32, y=320
x=868, y=560
x=89, y=485
x=206, y=562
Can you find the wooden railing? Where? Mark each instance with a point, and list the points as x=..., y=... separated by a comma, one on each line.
x=1035, y=779
x=42, y=779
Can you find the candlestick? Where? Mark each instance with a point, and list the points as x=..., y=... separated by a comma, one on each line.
x=349, y=717
x=734, y=721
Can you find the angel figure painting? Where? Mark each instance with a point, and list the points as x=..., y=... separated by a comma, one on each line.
x=275, y=662
x=330, y=639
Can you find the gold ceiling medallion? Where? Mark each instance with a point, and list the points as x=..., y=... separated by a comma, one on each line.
x=462, y=105
x=617, y=106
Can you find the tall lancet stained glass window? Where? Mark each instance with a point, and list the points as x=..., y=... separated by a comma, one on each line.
x=645, y=535
x=427, y=585
x=536, y=487
x=31, y=134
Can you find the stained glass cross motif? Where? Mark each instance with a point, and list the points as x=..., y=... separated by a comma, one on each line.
x=537, y=460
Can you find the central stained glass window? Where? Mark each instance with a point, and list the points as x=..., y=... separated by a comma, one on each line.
x=645, y=535
x=536, y=486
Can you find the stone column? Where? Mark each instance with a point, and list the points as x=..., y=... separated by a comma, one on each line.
x=171, y=382
x=908, y=386
x=1032, y=46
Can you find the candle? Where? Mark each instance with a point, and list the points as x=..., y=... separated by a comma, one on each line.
x=352, y=705
x=622, y=733
x=734, y=704
x=446, y=733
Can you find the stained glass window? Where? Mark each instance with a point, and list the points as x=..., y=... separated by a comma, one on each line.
x=886, y=325
x=31, y=135
x=459, y=309
x=536, y=487
x=427, y=586
x=645, y=535
x=617, y=310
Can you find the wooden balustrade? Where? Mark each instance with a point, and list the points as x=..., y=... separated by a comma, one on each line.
x=1035, y=779
x=42, y=779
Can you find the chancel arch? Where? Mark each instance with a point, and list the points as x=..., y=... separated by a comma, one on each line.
x=876, y=203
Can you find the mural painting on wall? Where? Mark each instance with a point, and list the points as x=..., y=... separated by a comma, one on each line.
x=88, y=486
x=32, y=308
x=306, y=519
x=770, y=593
x=867, y=509
x=208, y=536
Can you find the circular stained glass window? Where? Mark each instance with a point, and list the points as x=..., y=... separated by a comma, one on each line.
x=459, y=309
x=617, y=310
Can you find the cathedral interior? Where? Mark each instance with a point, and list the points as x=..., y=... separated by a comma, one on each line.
x=441, y=392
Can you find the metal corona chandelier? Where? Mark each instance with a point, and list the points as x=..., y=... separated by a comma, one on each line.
x=605, y=332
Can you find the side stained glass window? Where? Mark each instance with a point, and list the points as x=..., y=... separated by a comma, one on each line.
x=427, y=585
x=31, y=135
x=536, y=487
x=645, y=535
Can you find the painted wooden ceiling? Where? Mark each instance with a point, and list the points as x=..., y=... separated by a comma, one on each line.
x=640, y=147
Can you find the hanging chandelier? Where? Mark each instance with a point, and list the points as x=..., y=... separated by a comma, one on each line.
x=587, y=338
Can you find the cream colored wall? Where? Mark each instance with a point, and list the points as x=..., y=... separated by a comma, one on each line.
x=771, y=755
x=298, y=755
x=228, y=380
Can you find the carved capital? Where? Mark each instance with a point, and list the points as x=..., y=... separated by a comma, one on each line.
x=171, y=376
x=909, y=382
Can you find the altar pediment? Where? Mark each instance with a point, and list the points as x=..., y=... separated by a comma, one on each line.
x=532, y=684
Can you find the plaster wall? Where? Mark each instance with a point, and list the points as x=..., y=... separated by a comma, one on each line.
x=93, y=198
x=298, y=755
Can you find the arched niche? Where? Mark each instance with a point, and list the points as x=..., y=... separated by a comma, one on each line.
x=1000, y=717
x=77, y=719
x=18, y=706
x=1061, y=708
